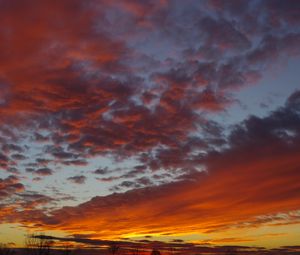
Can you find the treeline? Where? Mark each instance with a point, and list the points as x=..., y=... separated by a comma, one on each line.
x=44, y=245
x=41, y=245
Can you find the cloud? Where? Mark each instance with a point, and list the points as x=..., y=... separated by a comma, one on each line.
x=145, y=246
x=12, y=147
x=141, y=81
x=30, y=200
x=4, y=160
x=43, y=171
x=91, y=80
x=78, y=179
x=250, y=183
x=101, y=171
x=10, y=186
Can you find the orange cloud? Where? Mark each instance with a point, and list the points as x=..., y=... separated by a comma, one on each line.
x=253, y=182
x=68, y=69
x=233, y=193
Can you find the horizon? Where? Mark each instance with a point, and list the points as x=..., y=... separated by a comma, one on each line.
x=165, y=123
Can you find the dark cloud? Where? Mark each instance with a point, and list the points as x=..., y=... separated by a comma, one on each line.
x=4, y=161
x=177, y=245
x=13, y=170
x=43, y=171
x=31, y=200
x=10, y=186
x=78, y=179
x=263, y=157
x=224, y=34
x=75, y=162
x=58, y=152
x=12, y=147
x=88, y=101
x=142, y=81
x=18, y=156
x=101, y=171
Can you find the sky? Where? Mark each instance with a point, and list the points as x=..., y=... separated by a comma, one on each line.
x=162, y=123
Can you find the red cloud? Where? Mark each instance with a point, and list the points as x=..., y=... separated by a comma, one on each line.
x=10, y=186
x=249, y=183
x=76, y=78
x=69, y=70
x=235, y=191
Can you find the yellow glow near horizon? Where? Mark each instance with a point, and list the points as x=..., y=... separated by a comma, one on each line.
x=15, y=234
x=266, y=236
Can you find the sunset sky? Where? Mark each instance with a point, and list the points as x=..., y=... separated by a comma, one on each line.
x=174, y=122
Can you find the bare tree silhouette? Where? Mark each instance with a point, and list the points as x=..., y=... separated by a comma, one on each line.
x=37, y=244
x=6, y=250
x=155, y=252
x=113, y=248
x=67, y=249
x=135, y=251
x=231, y=251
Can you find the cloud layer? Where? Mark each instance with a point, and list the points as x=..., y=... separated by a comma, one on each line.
x=101, y=89
x=142, y=84
x=253, y=182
